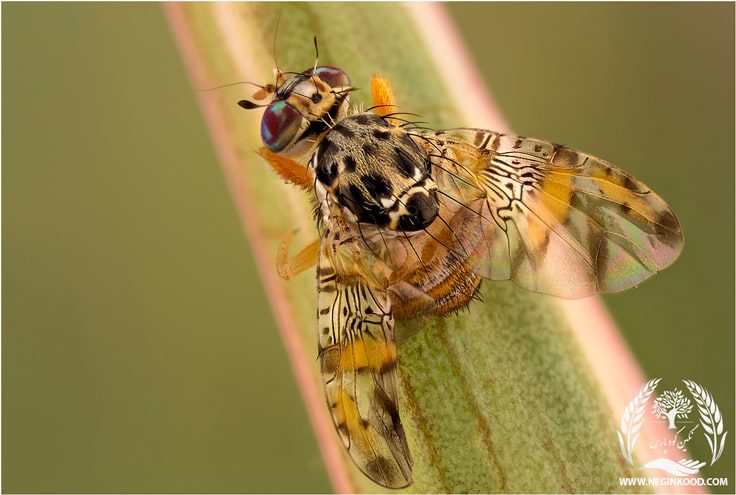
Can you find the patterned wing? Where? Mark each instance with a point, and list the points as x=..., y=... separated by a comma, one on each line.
x=550, y=218
x=357, y=353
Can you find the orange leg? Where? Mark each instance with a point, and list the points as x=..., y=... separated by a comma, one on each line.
x=383, y=97
x=304, y=259
x=291, y=171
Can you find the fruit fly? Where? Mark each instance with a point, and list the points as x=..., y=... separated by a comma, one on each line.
x=411, y=219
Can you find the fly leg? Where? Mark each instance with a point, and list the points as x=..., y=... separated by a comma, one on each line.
x=304, y=259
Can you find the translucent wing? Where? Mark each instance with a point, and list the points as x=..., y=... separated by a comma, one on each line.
x=357, y=353
x=550, y=218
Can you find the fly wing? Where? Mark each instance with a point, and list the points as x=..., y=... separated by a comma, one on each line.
x=358, y=359
x=552, y=219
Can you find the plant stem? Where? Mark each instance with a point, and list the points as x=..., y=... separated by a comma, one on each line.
x=509, y=396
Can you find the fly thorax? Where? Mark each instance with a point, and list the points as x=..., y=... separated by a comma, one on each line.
x=376, y=173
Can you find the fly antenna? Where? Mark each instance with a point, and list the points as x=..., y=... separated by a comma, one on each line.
x=316, y=53
x=249, y=105
x=275, y=37
x=234, y=84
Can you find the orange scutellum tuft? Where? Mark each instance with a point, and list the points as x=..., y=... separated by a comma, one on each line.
x=382, y=95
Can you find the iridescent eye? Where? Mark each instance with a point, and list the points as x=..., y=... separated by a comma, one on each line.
x=279, y=125
x=333, y=76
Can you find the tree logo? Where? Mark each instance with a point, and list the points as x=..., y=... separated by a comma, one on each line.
x=670, y=405
x=673, y=408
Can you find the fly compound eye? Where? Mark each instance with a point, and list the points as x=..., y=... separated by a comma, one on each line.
x=279, y=126
x=332, y=76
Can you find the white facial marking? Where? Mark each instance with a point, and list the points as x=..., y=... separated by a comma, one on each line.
x=320, y=190
x=324, y=205
x=313, y=161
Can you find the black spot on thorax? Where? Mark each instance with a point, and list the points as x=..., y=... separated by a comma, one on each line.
x=326, y=171
x=343, y=130
x=380, y=133
x=362, y=118
x=404, y=162
x=377, y=186
x=369, y=148
x=349, y=163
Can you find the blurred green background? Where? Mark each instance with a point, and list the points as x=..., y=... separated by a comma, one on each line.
x=137, y=341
